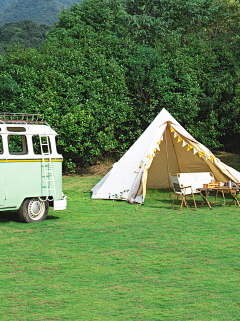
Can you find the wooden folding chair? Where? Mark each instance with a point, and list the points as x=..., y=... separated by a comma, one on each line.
x=182, y=191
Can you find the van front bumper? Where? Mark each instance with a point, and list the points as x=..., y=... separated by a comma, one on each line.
x=61, y=204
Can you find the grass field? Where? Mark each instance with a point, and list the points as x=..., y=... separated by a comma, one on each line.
x=109, y=260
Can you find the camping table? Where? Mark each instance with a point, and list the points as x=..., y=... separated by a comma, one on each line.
x=223, y=189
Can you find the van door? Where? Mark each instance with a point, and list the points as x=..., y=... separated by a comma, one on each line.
x=2, y=174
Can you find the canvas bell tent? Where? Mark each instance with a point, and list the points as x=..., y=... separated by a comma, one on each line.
x=164, y=148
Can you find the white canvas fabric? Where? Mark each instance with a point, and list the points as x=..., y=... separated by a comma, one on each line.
x=164, y=148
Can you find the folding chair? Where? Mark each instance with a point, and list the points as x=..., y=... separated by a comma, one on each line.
x=182, y=191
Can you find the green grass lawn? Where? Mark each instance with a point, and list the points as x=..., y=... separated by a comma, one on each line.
x=109, y=260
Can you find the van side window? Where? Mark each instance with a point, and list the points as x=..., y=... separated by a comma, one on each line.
x=17, y=145
x=1, y=145
x=16, y=129
x=37, y=146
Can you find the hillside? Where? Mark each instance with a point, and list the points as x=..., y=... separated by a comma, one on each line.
x=4, y=4
x=40, y=11
x=26, y=32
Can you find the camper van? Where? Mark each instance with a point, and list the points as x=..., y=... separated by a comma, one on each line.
x=30, y=167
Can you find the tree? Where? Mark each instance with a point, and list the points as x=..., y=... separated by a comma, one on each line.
x=109, y=67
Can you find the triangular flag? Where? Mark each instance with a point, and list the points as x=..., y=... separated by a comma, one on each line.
x=155, y=149
x=175, y=134
x=184, y=143
x=194, y=151
x=141, y=165
x=201, y=154
x=161, y=139
x=149, y=156
x=189, y=147
x=212, y=158
x=172, y=130
x=179, y=139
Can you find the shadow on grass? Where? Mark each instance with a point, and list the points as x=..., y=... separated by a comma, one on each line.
x=218, y=203
x=9, y=216
x=52, y=217
x=12, y=216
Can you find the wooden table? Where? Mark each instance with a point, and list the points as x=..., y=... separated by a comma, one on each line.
x=232, y=191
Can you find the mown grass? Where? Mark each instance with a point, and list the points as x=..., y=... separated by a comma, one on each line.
x=109, y=260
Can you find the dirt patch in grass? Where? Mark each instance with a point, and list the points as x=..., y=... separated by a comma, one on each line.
x=97, y=170
x=230, y=159
x=93, y=171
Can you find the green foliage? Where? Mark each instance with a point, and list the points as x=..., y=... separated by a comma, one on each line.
x=192, y=67
x=109, y=67
x=25, y=32
x=8, y=86
x=81, y=94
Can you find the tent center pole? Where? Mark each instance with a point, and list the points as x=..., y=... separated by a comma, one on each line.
x=167, y=162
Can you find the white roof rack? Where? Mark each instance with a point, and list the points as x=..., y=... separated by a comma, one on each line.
x=21, y=117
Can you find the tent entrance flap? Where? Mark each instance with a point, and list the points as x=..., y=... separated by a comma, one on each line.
x=158, y=172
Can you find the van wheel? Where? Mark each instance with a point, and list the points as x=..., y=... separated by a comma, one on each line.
x=33, y=210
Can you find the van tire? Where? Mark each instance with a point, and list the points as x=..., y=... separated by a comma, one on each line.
x=33, y=210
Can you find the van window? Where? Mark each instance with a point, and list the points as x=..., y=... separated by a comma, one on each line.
x=17, y=145
x=16, y=129
x=37, y=147
x=1, y=145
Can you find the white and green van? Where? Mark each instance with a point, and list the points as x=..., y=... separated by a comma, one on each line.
x=30, y=167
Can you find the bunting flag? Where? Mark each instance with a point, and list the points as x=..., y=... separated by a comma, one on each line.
x=179, y=139
x=149, y=156
x=155, y=149
x=141, y=165
x=189, y=147
x=212, y=158
x=161, y=139
x=194, y=151
x=184, y=143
